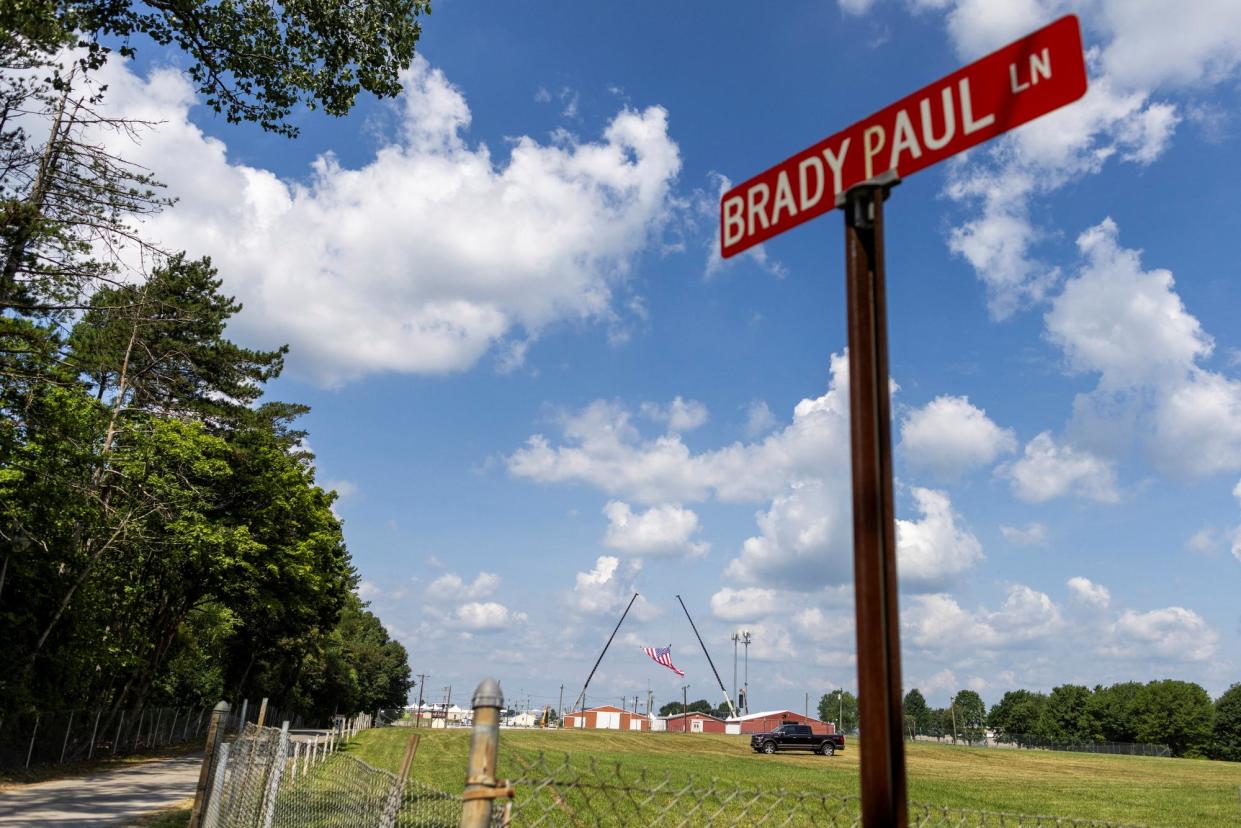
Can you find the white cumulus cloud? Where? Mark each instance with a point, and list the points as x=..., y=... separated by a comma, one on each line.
x=1172, y=633
x=424, y=258
x=747, y=604
x=934, y=549
x=487, y=617
x=1049, y=470
x=1129, y=326
x=452, y=587
x=679, y=415
x=1087, y=592
x=1032, y=534
x=950, y=436
x=660, y=530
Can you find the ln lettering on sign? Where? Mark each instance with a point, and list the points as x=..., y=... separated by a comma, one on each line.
x=1005, y=89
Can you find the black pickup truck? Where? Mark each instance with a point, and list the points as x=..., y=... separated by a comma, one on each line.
x=796, y=737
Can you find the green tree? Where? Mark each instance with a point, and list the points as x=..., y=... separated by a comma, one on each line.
x=381, y=664
x=1178, y=714
x=839, y=706
x=1065, y=717
x=1112, y=712
x=1015, y=718
x=250, y=61
x=675, y=708
x=1226, y=741
x=160, y=347
x=917, y=713
x=971, y=715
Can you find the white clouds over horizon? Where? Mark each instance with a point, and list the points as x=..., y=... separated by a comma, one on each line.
x=424, y=259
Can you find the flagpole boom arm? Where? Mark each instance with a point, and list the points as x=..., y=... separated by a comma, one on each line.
x=581, y=697
x=727, y=700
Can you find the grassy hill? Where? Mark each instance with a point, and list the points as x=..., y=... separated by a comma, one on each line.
x=1126, y=789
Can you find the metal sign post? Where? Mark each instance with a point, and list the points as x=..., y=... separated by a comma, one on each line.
x=874, y=527
x=854, y=169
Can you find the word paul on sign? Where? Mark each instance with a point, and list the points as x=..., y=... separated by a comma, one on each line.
x=1007, y=88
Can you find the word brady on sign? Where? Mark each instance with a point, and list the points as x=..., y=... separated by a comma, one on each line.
x=1007, y=88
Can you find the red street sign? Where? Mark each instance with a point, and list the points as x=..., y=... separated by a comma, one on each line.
x=1018, y=83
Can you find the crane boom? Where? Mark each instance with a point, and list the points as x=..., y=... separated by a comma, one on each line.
x=727, y=700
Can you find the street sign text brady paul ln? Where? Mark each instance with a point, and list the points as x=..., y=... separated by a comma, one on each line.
x=1003, y=90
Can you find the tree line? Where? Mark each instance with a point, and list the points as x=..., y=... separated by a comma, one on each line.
x=162, y=536
x=1178, y=714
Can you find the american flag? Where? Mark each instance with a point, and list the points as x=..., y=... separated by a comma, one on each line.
x=663, y=655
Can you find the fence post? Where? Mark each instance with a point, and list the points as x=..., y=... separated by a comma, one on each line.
x=214, y=734
x=241, y=724
x=90, y=754
x=64, y=745
x=480, y=775
x=277, y=772
x=33, y=734
x=262, y=712
x=393, y=806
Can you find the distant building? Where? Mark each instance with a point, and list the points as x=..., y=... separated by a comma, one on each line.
x=771, y=719
x=606, y=717
x=530, y=718
x=691, y=723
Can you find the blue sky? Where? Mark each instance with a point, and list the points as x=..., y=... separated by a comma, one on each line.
x=538, y=390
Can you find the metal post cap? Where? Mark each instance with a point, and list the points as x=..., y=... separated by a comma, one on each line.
x=221, y=707
x=488, y=694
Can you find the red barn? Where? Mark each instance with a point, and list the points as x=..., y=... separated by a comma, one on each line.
x=693, y=723
x=771, y=719
x=606, y=717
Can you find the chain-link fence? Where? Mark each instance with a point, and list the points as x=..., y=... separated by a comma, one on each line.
x=268, y=778
x=1012, y=742
x=31, y=739
x=272, y=778
x=554, y=790
x=47, y=738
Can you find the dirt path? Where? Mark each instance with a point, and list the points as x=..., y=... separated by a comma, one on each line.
x=109, y=798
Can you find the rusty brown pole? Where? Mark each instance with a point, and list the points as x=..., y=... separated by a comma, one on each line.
x=480, y=774
x=215, y=732
x=874, y=530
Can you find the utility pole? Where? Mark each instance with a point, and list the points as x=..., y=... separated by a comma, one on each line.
x=953, y=707
x=560, y=705
x=807, y=705
x=841, y=718
x=650, y=700
x=422, y=680
x=635, y=704
x=745, y=640
x=684, y=708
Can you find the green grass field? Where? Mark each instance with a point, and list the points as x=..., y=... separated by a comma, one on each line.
x=1127, y=789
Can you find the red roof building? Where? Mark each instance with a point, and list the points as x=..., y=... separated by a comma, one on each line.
x=606, y=717
x=692, y=723
x=771, y=719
